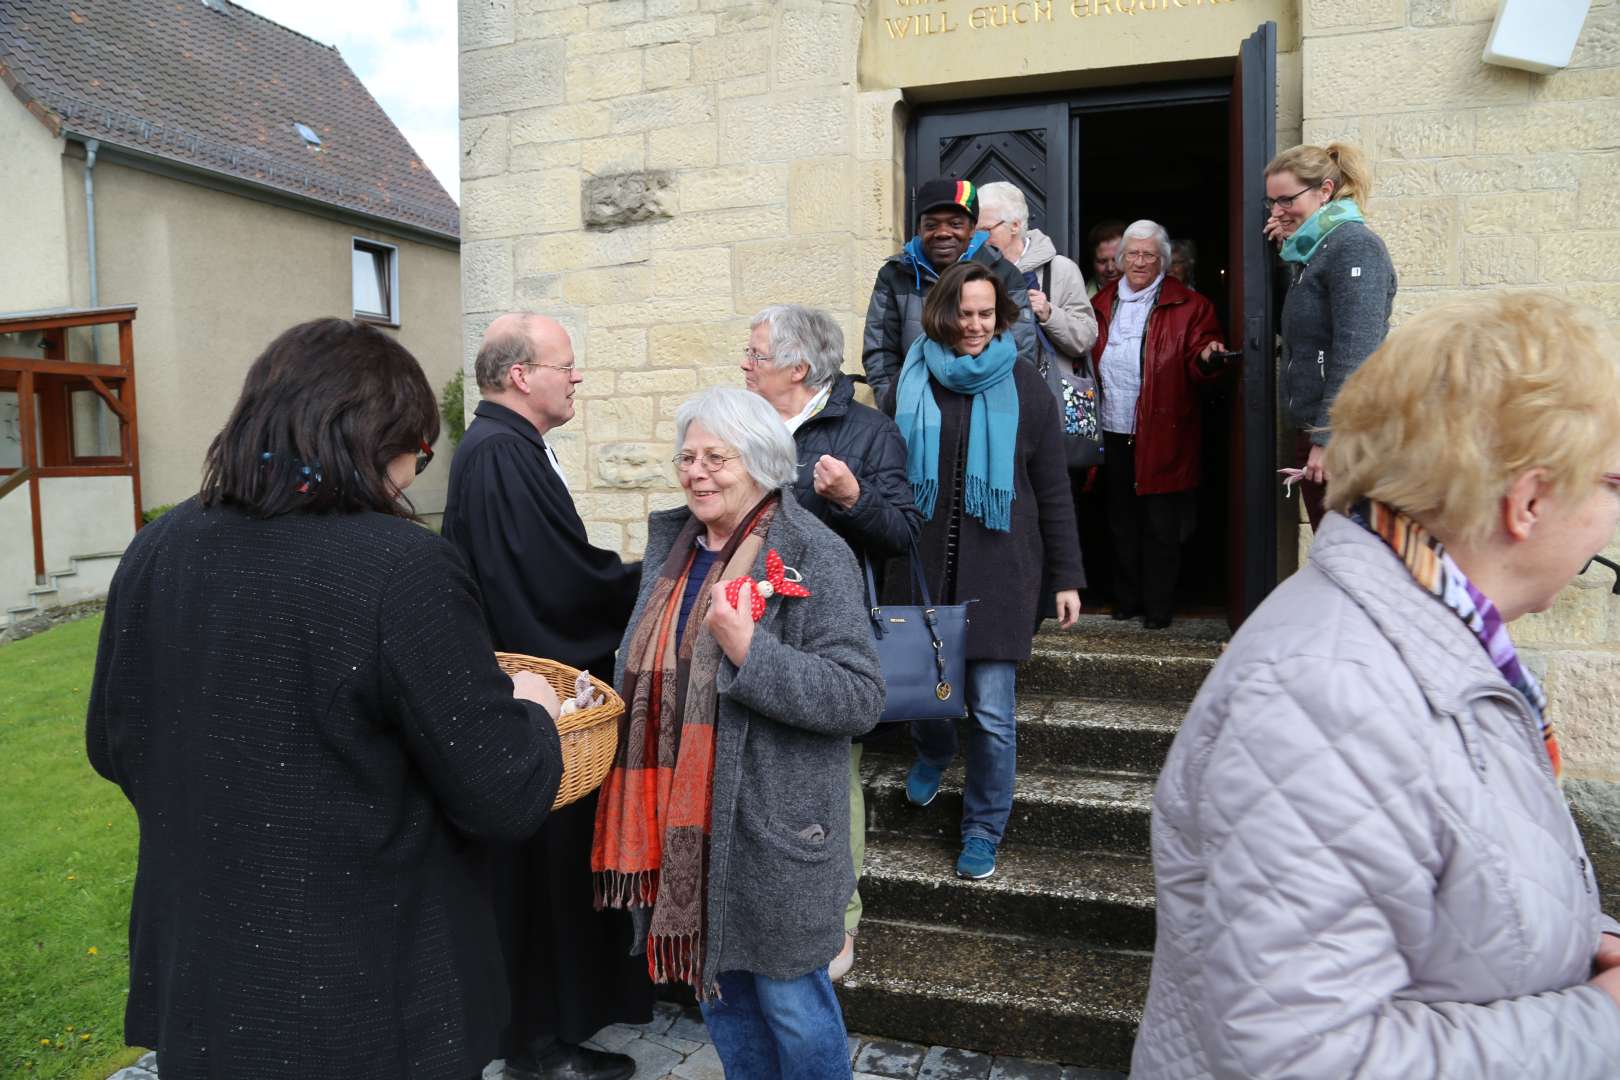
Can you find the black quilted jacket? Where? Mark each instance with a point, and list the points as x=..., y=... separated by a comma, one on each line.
x=884, y=520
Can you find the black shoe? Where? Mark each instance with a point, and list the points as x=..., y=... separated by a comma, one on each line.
x=565, y=1061
x=1151, y=623
x=1120, y=614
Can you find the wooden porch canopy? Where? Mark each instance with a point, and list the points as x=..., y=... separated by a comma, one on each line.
x=45, y=386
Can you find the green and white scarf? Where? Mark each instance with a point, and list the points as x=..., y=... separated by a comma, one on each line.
x=1309, y=236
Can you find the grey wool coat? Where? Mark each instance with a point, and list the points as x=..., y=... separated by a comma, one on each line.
x=1365, y=868
x=779, y=866
x=1336, y=314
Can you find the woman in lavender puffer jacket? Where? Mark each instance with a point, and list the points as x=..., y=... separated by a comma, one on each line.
x=1366, y=867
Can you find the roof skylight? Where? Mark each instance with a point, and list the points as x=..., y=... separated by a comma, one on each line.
x=307, y=133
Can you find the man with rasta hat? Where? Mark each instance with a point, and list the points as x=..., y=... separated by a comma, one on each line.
x=946, y=212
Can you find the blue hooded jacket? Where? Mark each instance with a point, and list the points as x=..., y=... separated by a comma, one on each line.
x=894, y=315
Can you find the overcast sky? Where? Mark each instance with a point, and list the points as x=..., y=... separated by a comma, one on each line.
x=405, y=53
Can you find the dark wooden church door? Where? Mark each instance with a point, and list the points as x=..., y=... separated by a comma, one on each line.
x=1026, y=145
x=1035, y=145
x=1252, y=540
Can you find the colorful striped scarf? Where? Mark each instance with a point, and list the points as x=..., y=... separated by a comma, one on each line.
x=1433, y=569
x=651, y=850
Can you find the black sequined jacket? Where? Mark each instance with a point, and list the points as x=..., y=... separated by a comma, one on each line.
x=307, y=716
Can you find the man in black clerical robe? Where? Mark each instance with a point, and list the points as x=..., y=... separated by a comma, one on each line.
x=547, y=592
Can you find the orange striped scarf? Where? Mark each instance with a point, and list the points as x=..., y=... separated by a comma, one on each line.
x=651, y=849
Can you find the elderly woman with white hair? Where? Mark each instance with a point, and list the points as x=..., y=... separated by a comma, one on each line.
x=747, y=666
x=852, y=475
x=852, y=461
x=1365, y=864
x=1156, y=342
x=1066, y=326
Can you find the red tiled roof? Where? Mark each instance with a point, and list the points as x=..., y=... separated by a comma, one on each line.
x=221, y=91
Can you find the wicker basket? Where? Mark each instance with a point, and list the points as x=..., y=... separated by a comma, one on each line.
x=590, y=737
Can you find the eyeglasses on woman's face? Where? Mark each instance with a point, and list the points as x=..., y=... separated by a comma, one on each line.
x=711, y=460
x=1284, y=202
x=424, y=456
x=1141, y=257
x=753, y=356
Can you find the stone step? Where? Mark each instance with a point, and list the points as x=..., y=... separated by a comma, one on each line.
x=998, y=995
x=1109, y=734
x=1194, y=636
x=1073, y=809
x=1100, y=658
x=1085, y=898
x=1114, y=735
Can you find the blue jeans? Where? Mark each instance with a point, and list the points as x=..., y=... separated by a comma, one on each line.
x=992, y=752
x=778, y=1029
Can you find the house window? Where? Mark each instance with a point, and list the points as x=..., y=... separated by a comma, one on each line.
x=376, y=282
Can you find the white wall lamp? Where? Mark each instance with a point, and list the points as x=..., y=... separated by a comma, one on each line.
x=1535, y=35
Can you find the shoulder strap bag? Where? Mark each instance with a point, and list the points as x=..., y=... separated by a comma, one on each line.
x=1076, y=397
x=922, y=650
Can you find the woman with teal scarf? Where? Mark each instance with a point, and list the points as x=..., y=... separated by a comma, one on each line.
x=984, y=455
x=1341, y=293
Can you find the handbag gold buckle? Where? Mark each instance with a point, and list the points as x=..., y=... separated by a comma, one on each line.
x=943, y=691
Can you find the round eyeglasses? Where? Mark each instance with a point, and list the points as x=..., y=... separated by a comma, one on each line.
x=712, y=460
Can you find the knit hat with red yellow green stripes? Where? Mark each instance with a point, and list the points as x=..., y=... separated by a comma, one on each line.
x=950, y=194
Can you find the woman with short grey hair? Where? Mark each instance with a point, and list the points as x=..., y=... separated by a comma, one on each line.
x=802, y=335
x=852, y=475
x=746, y=668
x=738, y=422
x=1156, y=344
x=1145, y=230
x=852, y=462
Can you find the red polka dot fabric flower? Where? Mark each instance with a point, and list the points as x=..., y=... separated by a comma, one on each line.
x=777, y=583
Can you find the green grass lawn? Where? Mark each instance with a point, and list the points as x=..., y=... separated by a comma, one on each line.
x=67, y=862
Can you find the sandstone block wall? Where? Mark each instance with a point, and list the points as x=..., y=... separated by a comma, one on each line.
x=652, y=173
x=1488, y=177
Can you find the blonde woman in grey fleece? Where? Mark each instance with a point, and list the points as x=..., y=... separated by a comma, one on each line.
x=1340, y=295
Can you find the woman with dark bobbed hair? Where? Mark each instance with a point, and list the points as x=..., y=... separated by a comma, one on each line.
x=296, y=691
x=984, y=454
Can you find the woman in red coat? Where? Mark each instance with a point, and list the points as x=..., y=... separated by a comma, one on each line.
x=1156, y=341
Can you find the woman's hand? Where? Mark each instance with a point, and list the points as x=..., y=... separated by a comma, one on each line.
x=1274, y=231
x=1607, y=966
x=1608, y=954
x=1314, y=470
x=1068, y=607
x=835, y=483
x=732, y=627
x=531, y=687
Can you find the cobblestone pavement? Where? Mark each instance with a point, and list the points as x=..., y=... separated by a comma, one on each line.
x=676, y=1046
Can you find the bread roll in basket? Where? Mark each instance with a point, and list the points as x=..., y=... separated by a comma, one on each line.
x=590, y=737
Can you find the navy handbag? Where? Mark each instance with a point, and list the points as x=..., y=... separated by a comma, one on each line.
x=921, y=649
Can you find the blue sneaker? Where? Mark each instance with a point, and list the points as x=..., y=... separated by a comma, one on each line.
x=978, y=859
x=922, y=783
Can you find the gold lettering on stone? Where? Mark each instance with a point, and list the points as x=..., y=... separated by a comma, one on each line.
x=1022, y=13
x=1081, y=9
x=996, y=16
x=917, y=26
